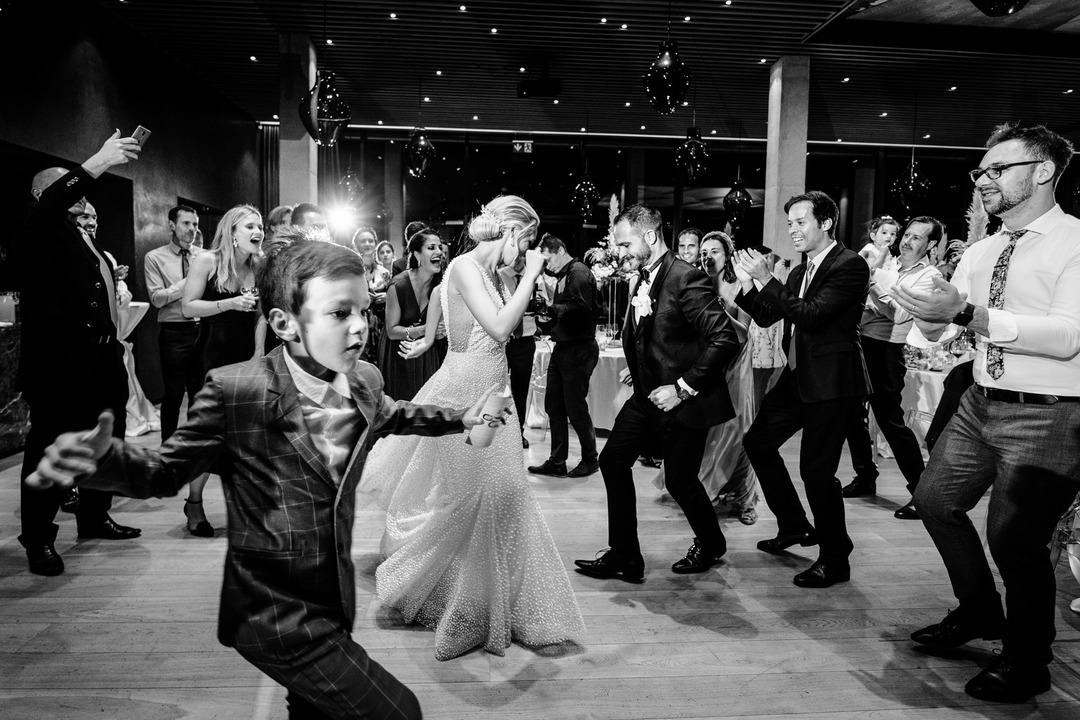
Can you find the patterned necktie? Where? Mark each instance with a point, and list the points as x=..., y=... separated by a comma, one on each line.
x=995, y=356
x=805, y=284
x=184, y=264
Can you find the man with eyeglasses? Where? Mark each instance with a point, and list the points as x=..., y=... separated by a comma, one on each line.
x=1018, y=428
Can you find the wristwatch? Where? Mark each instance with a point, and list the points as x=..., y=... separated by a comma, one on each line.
x=682, y=393
x=965, y=316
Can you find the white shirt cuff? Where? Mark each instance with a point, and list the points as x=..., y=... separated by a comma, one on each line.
x=687, y=388
x=1002, y=326
x=915, y=338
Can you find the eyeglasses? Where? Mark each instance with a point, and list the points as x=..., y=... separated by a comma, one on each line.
x=994, y=171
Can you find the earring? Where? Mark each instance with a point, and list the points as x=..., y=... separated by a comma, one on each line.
x=235, y=244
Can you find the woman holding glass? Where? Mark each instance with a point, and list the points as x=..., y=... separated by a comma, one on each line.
x=220, y=291
x=407, y=302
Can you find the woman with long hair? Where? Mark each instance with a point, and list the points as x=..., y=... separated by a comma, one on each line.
x=468, y=552
x=220, y=291
x=385, y=256
x=407, y=304
x=725, y=471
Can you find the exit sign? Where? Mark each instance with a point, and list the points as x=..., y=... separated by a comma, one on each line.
x=521, y=146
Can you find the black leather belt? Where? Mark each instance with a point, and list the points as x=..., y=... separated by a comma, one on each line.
x=1012, y=396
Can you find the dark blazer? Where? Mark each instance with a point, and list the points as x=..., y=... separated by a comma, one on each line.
x=63, y=299
x=686, y=336
x=289, y=576
x=828, y=351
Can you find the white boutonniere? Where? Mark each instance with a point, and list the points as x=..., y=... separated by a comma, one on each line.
x=642, y=302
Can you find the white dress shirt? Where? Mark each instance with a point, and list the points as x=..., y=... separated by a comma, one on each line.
x=1038, y=327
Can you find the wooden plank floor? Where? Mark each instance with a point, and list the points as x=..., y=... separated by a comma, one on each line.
x=128, y=632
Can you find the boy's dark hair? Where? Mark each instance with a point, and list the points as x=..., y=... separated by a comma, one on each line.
x=642, y=219
x=1042, y=142
x=175, y=212
x=822, y=206
x=292, y=259
x=551, y=243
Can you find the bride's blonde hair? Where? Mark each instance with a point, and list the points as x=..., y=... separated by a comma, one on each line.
x=506, y=212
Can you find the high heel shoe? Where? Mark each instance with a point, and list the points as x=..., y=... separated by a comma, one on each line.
x=202, y=528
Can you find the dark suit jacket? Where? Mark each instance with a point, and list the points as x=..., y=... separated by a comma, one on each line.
x=289, y=576
x=686, y=336
x=64, y=302
x=828, y=351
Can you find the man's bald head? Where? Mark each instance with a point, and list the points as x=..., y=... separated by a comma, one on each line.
x=45, y=178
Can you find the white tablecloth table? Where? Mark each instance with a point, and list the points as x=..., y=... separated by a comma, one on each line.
x=606, y=393
x=922, y=393
x=142, y=417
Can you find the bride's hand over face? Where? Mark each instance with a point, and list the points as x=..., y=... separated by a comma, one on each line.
x=534, y=263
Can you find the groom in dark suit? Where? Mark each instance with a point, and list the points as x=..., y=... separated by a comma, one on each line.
x=821, y=388
x=677, y=341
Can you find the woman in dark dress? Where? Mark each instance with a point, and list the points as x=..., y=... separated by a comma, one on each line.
x=406, y=313
x=220, y=291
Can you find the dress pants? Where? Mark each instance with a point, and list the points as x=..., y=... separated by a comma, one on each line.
x=824, y=425
x=640, y=419
x=519, y=359
x=885, y=364
x=959, y=379
x=181, y=370
x=567, y=398
x=64, y=406
x=333, y=677
x=1030, y=455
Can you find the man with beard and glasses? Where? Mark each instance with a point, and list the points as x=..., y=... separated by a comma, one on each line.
x=1018, y=428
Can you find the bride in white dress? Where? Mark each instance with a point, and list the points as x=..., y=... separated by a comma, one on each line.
x=468, y=552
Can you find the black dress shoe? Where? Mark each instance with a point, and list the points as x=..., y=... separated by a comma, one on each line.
x=70, y=503
x=823, y=574
x=650, y=461
x=908, y=512
x=780, y=543
x=584, y=469
x=107, y=529
x=959, y=627
x=524, y=443
x=698, y=559
x=549, y=467
x=613, y=565
x=859, y=487
x=44, y=560
x=1007, y=681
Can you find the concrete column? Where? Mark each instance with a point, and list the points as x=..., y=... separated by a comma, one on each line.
x=785, y=162
x=299, y=161
x=394, y=184
x=863, y=211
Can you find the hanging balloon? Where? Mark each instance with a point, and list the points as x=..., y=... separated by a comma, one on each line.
x=350, y=188
x=323, y=111
x=738, y=200
x=667, y=81
x=419, y=152
x=585, y=196
x=692, y=156
x=911, y=189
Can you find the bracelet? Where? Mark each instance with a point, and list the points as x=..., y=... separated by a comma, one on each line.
x=408, y=334
x=217, y=303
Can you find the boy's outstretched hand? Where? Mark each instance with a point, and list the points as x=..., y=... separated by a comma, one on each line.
x=72, y=455
x=475, y=414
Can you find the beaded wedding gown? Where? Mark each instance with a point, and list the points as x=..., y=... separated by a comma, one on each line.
x=467, y=550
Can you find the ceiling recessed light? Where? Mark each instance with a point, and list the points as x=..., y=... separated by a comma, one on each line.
x=1067, y=92
x=582, y=129
x=254, y=59
x=380, y=122
x=603, y=20
x=926, y=137
x=727, y=2
x=391, y=142
x=494, y=30
x=555, y=101
x=438, y=72
x=884, y=114
x=461, y=8
x=393, y=16
x=475, y=117
x=686, y=19
x=521, y=69
x=329, y=41
x=837, y=140
x=276, y=117
x=624, y=26
x=713, y=132
x=764, y=60
x=427, y=99
x=846, y=80
x=627, y=104
x=642, y=127
x=685, y=103
x=952, y=88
